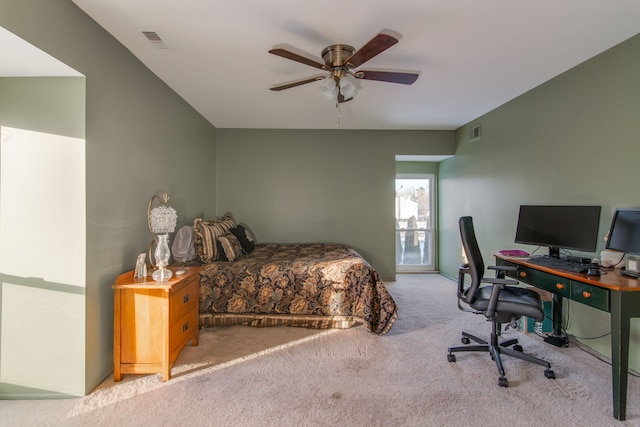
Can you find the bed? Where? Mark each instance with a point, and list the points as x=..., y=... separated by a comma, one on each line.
x=314, y=285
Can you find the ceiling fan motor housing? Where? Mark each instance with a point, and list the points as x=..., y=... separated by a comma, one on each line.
x=335, y=57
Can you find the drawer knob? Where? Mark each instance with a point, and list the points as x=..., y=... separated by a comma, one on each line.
x=185, y=299
x=586, y=294
x=185, y=327
x=559, y=286
x=523, y=274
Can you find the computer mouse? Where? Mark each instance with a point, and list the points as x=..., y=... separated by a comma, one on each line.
x=593, y=272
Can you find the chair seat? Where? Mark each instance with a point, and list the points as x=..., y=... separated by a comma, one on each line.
x=512, y=300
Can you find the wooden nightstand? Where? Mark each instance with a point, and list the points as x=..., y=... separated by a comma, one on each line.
x=152, y=322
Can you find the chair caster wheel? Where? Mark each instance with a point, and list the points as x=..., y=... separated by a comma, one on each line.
x=503, y=382
x=465, y=340
x=517, y=347
x=452, y=358
x=550, y=374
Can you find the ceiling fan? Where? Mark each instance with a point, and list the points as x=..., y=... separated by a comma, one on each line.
x=340, y=60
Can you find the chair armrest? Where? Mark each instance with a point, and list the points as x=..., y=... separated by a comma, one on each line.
x=503, y=267
x=493, y=300
x=499, y=281
x=498, y=285
x=501, y=270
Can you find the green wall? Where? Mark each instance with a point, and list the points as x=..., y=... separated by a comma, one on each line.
x=572, y=140
x=141, y=138
x=417, y=167
x=319, y=185
x=44, y=104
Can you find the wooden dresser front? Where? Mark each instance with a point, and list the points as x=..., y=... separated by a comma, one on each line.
x=153, y=322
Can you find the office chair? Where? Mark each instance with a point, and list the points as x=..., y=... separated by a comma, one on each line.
x=499, y=301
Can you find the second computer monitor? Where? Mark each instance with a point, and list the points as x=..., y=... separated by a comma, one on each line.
x=624, y=233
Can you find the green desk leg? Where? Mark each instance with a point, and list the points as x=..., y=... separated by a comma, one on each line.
x=620, y=325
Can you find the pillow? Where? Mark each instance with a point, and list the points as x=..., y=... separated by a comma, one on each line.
x=245, y=238
x=205, y=236
x=229, y=247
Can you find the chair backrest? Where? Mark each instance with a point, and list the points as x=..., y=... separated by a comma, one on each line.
x=475, y=265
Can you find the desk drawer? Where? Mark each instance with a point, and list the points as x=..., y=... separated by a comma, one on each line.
x=546, y=281
x=590, y=295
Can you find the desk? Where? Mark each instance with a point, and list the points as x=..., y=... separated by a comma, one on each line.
x=611, y=292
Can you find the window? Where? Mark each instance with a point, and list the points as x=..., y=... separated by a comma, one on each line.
x=414, y=223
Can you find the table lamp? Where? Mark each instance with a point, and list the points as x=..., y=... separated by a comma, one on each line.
x=161, y=220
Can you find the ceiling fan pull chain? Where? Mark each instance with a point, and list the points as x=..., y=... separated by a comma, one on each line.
x=339, y=119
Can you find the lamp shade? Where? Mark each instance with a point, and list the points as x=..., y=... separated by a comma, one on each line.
x=329, y=88
x=348, y=86
x=163, y=219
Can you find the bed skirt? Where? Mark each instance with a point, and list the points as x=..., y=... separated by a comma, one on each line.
x=269, y=320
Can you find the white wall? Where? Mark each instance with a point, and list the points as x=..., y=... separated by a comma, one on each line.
x=42, y=235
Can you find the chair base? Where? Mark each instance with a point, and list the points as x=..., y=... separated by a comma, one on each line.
x=495, y=349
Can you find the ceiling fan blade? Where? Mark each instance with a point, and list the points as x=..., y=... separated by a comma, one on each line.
x=298, y=83
x=298, y=58
x=388, y=76
x=375, y=46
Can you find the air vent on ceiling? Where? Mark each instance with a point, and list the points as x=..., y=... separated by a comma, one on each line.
x=155, y=39
x=474, y=133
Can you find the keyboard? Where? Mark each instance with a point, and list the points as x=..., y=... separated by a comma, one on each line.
x=630, y=273
x=562, y=264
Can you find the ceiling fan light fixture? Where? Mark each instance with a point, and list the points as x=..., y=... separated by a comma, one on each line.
x=329, y=88
x=348, y=86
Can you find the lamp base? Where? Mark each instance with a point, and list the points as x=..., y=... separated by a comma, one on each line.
x=162, y=255
x=162, y=274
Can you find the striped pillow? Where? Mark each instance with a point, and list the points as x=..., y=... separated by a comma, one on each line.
x=206, y=234
x=229, y=247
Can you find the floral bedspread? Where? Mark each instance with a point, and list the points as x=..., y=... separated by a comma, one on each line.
x=312, y=285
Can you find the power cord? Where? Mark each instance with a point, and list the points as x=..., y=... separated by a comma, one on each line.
x=573, y=338
x=597, y=355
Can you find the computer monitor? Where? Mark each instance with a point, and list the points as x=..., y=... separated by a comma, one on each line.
x=624, y=233
x=559, y=227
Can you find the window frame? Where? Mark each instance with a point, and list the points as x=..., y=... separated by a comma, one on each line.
x=431, y=231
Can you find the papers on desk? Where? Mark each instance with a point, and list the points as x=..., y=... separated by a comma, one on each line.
x=514, y=252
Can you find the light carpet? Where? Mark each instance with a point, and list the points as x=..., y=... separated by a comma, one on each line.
x=242, y=376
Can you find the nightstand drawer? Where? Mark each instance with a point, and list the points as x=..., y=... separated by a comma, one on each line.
x=182, y=330
x=184, y=298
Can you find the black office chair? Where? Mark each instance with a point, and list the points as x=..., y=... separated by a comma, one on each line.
x=499, y=301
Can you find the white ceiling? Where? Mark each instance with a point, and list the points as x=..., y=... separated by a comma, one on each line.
x=472, y=55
